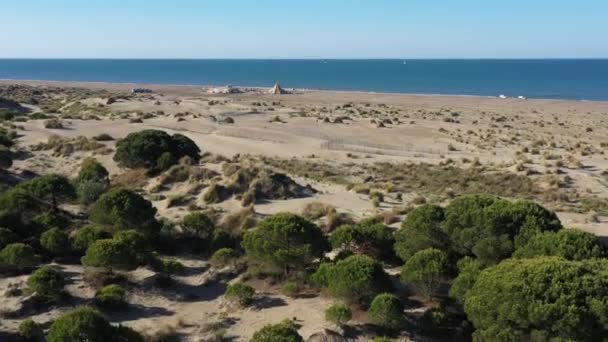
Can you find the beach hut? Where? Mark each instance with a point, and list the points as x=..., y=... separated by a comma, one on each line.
x=277, y=90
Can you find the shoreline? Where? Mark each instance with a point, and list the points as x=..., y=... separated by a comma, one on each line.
x=190, y=87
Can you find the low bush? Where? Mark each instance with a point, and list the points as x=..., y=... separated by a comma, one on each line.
x=30, y=331
x=85, y=236
x=111, y=297
x=87, y=324
x=55, y=241
x=338, y=314
x=47, y=282
x=240, y=293
x=110, y=254
x=170, y=266
x=53, y=123
x=18, y=255
x=386, y=311
x=290, y=289
x=281, y=332
x=223, y=257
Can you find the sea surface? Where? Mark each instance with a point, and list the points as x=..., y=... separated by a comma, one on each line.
x=576, y=79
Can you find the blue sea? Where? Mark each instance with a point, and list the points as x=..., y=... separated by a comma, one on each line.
x=575, y=79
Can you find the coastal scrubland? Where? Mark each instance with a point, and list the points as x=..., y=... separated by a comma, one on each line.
x=180, y=215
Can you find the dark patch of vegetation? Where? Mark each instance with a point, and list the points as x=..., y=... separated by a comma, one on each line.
x=154, y=149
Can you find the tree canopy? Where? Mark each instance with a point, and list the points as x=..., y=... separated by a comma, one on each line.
x=110, y=253
x=426, y=270
x=368, y=237
x=284, y=242
x=386, y=311
x=144, y=149
x=356, y=279
x=124, y=209
x=540, y=299
x=87, y=324
x=491, y=228
x=420, y=230
x=570, y=244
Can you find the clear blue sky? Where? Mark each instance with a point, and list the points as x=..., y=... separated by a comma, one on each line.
x=303, y=29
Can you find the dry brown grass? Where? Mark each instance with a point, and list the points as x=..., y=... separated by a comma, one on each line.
x=131, y=179
x=239, y=221
x=316, y=210
x=63, y=147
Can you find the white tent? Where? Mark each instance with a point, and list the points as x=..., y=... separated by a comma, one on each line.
x=277, y=90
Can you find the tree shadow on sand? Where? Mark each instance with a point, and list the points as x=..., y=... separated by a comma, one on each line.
x=136, y=311
x=267, y=302
x=177, y=291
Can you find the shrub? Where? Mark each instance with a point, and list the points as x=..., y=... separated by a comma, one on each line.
x=420, y=230
x=338, y=314
x=112, y=297
x=357, y=278
x=198, y=225
x=124, y=209
x=426, y=270
x=30, y=331
x=7, y=237
x=53, y=123
x=47, y=282
x=569, y=244
x=144, y=148
x=290, y=289
x=92, y=170
x=386, y=311
x=284, y=243
x=18, y=255
x=92, y=181
x=110, y=254
x=240, y=293
x=49, y=220
x=281, y=332
x=55, y=241
x=541, y=299
x=89, y=191
x=18, y=201
x=223, y=257
x=81, y=324
x=170, y=266
x=366, y=237
x=136, y=242
x=85, y=236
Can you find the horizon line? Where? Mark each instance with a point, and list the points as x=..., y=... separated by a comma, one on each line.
x=304, y=58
